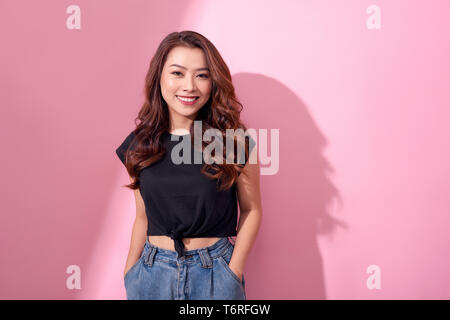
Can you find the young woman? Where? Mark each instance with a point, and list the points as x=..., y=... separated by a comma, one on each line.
x=186, y=212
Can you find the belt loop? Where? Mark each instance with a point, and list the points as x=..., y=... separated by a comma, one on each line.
x=149, y=256
x=205, y=258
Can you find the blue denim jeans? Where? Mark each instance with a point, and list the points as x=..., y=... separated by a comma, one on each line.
x=202, y=274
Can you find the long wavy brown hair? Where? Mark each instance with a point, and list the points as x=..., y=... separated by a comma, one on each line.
x=221, y=111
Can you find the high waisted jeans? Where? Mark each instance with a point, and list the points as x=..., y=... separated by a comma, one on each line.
x=202, y=274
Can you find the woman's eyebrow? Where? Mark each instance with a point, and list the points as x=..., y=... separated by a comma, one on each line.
x=177, y=65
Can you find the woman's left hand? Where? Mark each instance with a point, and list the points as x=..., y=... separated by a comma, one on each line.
x=236, y=271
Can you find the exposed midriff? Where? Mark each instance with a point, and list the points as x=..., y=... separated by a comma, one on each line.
x=165, y=242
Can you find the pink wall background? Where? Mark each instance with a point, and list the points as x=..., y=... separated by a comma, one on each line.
x=364, y=161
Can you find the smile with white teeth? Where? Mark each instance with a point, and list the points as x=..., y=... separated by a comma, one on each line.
x=187, y=99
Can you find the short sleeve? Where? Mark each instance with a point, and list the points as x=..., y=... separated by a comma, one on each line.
x=121, y=150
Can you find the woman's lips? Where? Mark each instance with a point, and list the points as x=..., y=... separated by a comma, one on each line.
x=185, y=101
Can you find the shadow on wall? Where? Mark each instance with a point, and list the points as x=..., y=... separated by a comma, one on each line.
x=285, y=262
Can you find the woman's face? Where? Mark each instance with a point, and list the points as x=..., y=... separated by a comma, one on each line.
x=185, y=74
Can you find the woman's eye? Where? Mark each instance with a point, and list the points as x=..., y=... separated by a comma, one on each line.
x=202, y=75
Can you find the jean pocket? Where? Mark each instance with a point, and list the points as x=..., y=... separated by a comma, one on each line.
x=132, y=269
x=224, y=260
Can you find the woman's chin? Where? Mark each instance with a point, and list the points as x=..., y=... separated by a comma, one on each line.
x=187, y=113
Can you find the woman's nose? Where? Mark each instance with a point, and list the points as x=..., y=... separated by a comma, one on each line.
x=189, y=84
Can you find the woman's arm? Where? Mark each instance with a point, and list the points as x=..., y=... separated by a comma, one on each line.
x=139, y=232
x=248, y=193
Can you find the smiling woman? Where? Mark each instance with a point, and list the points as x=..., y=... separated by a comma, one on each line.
x=182, y=85
x=181, y=250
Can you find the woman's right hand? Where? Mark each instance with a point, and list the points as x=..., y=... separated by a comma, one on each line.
x=127, y=268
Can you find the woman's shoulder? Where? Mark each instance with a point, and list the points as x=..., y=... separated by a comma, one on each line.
x=125, y=145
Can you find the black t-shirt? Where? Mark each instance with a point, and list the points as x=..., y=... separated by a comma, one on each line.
x=180, y=201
